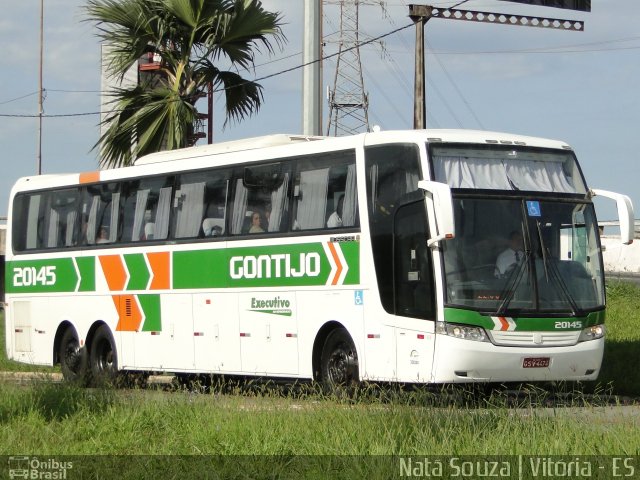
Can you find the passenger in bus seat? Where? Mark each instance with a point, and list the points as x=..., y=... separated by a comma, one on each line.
x=256, y=223
x=103, y=235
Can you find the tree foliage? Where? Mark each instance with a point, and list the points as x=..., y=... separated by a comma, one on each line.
x=189, y=38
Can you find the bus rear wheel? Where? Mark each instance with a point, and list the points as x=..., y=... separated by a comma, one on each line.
x=104, y=358
x=339, y=361
x=73, y=358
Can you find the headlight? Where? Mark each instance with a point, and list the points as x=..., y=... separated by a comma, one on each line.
x=465, y=332
x=591, y=333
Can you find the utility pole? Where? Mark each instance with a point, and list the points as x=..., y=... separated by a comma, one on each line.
x=421, y=13
x=312, y=72
x=40, y=95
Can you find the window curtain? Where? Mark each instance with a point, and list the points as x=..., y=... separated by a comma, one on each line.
x=532, y=175
x=71, y=228
x=92, y=220
x=467, y=172
x=190, y=210
x=32, y=221
x=115, y=214
x=350, y=205
x=312, y=203
x=52, y=233
x=141, y=206
x=373, y=181
x=412, y=181
x=161, y=230
x=239, y=208
x=464, y=172
x=278, y=198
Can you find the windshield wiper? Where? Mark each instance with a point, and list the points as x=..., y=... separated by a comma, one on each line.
x=512, y=283
x=549, y=265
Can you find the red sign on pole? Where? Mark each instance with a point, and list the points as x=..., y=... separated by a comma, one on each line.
x=582, y=5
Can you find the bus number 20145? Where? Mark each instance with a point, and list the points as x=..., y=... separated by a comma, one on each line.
x=566, y=325
x=32, y=276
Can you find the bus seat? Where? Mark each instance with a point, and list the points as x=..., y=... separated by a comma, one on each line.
x=149, y=230
x=212, y=227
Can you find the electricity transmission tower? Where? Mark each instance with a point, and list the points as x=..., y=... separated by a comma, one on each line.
x=348, y=101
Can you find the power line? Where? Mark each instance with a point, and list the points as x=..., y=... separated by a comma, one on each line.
x=19, y=98
x=550, y=50
x=259, y=79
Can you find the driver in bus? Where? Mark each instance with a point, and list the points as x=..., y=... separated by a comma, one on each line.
x=511, y=256
x=335, y=220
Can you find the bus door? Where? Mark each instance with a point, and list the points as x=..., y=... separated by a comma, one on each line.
x=413, y=291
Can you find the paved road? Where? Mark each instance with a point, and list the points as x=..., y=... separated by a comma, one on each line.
x=624, y=277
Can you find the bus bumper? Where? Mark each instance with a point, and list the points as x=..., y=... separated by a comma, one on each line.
x=459, y=361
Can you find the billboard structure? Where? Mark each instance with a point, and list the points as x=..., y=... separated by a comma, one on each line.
x=582, y=5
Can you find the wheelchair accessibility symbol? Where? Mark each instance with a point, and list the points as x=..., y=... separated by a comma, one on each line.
x=358, y=297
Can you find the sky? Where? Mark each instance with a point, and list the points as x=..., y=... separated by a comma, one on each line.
x=579, y=87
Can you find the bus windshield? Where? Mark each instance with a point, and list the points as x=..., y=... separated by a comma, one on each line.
x=524, y=255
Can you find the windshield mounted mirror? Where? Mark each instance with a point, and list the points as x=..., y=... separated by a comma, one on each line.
x=625, y=213
x=440, y=193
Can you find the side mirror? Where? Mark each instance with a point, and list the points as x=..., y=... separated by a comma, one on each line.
x=625, y=213
x=443, y=207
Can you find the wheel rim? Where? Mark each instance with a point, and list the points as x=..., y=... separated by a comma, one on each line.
x=104, y=357
x=341, y=365
x=72, y=356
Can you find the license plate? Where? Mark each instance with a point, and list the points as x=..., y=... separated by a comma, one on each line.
x=536, y=362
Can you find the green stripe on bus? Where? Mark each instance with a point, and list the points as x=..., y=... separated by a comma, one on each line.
x=41, y=276
x=150, y=305
x=526, y=324
x=269, y=266
x=138, y=271
x=310, y=264
x=87, y=268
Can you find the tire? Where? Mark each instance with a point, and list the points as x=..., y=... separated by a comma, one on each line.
x=74, y=363
x=104, y=358
x=339, y=361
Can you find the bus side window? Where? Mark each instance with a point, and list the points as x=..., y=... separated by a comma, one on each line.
x=61, y=230
x=147, y=209
x=199, y=205
x=342, y=197
x=392, y=171
x=260, y=200
x=322, y=183
x=100, y=214
x=28, y=221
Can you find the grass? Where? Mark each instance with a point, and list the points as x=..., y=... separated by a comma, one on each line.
x=622, y=346
x=64, y=420
x=285, y=423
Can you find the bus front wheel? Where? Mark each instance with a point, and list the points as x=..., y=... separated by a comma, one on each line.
x=339, y=361
x=104, y=357
x=73, y=358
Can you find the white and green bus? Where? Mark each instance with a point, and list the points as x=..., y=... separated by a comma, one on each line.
x=371, y=257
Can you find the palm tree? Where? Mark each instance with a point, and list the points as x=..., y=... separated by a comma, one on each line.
x=188, y=36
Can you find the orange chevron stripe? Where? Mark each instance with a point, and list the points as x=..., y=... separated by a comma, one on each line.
x=504, y=324
x=129, y=315
x=89, y=177
x=114, y=272
x=160, y=268
x=336, y=259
